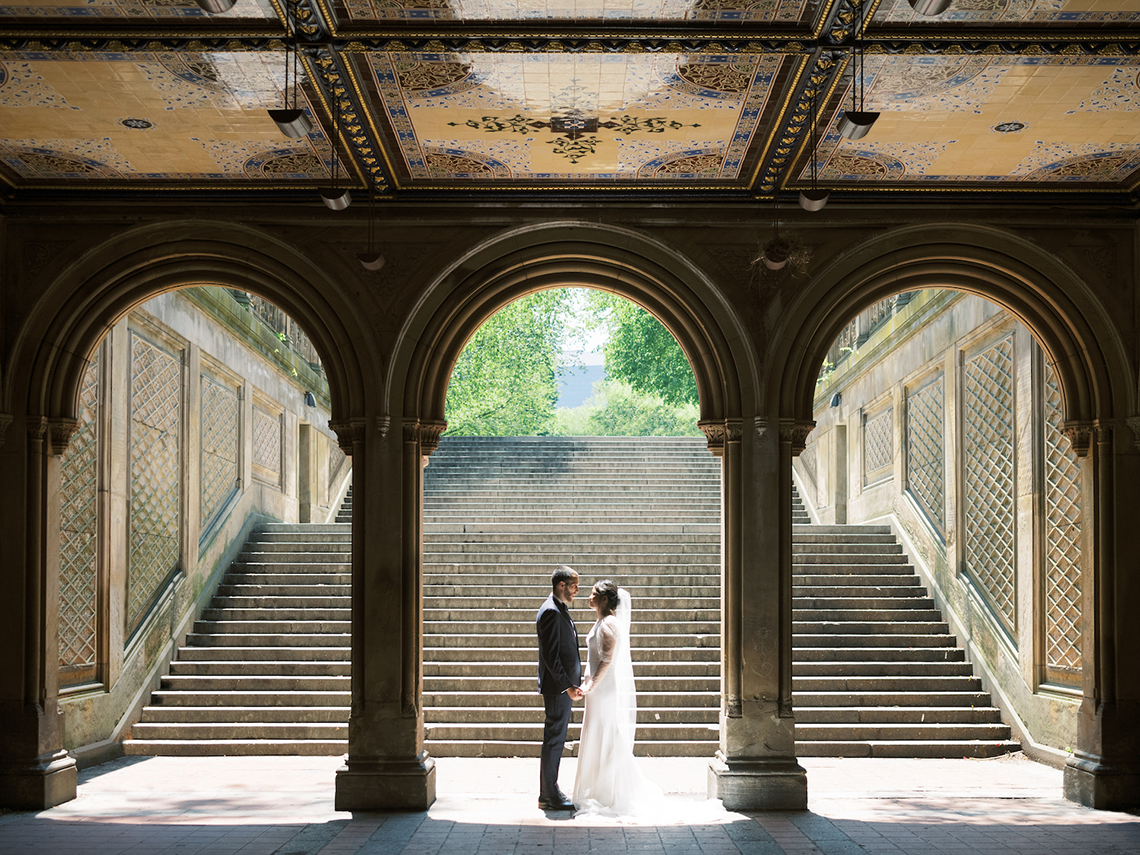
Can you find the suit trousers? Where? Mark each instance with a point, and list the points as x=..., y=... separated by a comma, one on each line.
x=558, y=707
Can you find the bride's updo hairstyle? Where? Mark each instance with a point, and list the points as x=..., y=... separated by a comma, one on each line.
x=607, y=592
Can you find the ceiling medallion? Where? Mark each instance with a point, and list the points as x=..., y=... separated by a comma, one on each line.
x=1009, y=127
x=137, y=124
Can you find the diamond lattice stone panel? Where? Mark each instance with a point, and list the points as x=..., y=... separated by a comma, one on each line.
x=808, y=461
x=267, y=445
x=1062, y=541
x=79, y=474
x=925, y=458
x=877, y=446
x=219, y=447
x=988, y=415
x=156, y=394
x=336, y=460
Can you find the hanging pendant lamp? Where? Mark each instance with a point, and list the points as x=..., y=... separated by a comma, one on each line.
x=333, y=197
x=857, y=121
x=291, y=120
x=930, y=7
x=371, y=260
x=814, y=199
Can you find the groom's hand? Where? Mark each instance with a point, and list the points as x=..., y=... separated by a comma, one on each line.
x=575, y=693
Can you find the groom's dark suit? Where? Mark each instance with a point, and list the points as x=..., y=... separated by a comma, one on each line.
x=559, y=668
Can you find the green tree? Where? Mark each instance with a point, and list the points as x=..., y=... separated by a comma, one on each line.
x=617, y=409
x=506, y=380
x=642, y=353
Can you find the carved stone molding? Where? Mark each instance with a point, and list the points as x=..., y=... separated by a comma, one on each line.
x=1080, y=436
x=349, y=432
x=1133, y=423
x=714, y=432
x=1104, y=429
x=60, y=432
x=425, y=433
x=5, y=422
x=37, y=429
x=733, y=430
x=733, y=708
x=796, y=433
x=383, y=423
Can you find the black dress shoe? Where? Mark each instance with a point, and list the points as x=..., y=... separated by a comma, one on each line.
x=559, y=804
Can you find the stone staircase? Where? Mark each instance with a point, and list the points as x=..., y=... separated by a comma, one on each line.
x=876, y=672
x=499, y=514
x=266, y=669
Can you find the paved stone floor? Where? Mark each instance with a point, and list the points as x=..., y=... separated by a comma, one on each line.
x=284, y=806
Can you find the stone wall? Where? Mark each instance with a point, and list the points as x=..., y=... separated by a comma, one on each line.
x=944, y=422
x=193, y=428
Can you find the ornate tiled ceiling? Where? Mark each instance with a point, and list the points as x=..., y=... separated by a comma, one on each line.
x=707, y=99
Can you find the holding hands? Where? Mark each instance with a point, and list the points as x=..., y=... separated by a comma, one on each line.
x=575, y=693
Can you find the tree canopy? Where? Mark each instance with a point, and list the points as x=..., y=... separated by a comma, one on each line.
x=506, y=380
x=641, y=352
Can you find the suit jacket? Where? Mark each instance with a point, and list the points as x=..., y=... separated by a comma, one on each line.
x=559, y=663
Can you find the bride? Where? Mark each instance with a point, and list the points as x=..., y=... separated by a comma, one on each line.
x=609, y=781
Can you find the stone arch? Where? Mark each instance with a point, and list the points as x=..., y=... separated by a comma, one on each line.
x=623, y=262
x=1049, y=298
x=102, y=285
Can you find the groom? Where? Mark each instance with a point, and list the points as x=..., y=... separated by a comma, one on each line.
x=559, y=674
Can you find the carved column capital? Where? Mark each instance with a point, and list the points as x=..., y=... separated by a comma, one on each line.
x=733, y=430
x=60, y=432
x=37, y=428
x=425, y=433
x=795, y=432
x=1080, y=436
x=715, y=434
x=5, y=422
x=349, y=432
x=1133, y=423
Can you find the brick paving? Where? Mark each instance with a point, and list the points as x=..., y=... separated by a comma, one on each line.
x=284, y=806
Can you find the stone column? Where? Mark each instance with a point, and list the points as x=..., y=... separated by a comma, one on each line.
x=387, y=767
x=1104, y=771
x=756, y=768
x=35, y=770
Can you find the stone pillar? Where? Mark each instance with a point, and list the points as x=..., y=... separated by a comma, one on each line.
x=1104, y=771
x=35, y=770
x=387, y=767
x=755, y=767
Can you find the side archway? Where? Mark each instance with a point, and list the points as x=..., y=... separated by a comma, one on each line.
x=53, y=333
x=1088, y=352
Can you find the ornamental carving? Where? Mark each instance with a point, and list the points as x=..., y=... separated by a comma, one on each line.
x=1080, y=436
x=61, y=431
x=796, y=433
x=714, y=432
x=348, y=432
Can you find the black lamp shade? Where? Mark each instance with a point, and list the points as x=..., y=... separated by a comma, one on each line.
x=292, y=123
x=929, y=7
x=813, y=199
x=856, y=123
x=215, y=7
x=335, y=198
x=370, y=260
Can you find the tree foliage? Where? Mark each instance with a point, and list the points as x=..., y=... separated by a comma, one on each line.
x=617, y=409
x=641, y=352
x=506, y=380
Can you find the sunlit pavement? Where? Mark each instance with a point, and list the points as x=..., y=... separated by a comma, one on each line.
x=284, y=806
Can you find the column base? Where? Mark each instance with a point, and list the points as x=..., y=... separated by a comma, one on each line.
x=758, y=784
x=45, y=783
x=386, y=784
x=1091, y=783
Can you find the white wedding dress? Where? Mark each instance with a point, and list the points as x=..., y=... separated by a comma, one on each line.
x=609, y=781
